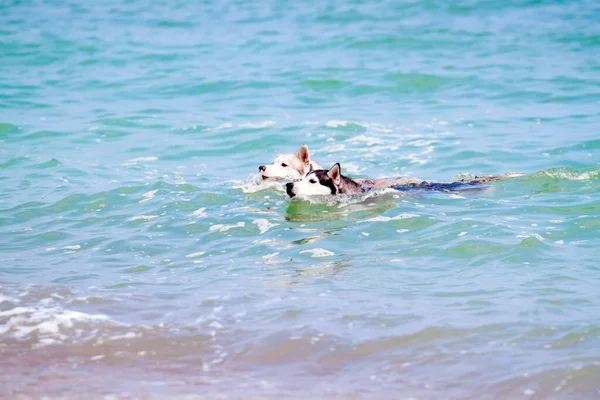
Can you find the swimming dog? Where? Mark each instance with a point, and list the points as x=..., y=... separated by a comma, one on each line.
x=295, y=166
x=290, y=166
x=324, y=182
x=332, y=182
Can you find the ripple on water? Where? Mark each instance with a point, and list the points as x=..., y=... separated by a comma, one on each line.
x=135, y=252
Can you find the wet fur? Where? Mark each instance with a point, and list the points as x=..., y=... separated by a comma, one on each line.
x=290, y=166
x=332, y=182
x=324, y=182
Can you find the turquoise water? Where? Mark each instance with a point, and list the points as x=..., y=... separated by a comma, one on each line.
x=139, y=258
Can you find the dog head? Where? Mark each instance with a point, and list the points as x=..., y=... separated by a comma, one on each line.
x=317, y=182
x=290, y=166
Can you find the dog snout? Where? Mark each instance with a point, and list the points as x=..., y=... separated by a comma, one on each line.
x=289, y=187
x=262, y=168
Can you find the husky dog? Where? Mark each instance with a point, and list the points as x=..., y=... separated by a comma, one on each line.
x=322, y=182
x=290, y=166
x=332, y=182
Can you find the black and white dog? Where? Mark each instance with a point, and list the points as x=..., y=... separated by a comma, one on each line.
x=323, y=182
x=332, y=182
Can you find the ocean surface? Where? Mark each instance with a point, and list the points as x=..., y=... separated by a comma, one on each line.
x=141, y=258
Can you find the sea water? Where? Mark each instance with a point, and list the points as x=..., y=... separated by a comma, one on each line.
x=140, y=256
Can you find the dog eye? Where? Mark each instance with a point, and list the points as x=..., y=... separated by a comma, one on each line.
x=312, y=181
x=284, y=165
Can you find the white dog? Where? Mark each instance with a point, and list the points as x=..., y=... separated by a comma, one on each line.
x=290, y=166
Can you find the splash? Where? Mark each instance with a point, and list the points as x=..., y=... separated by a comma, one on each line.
x=255, y=183
x=468, y=177
x=263, y=224
x=345, y=200
x=43, y=323
x=557, y=174
x=225, y=228
x=318, y=252
x=570, y=174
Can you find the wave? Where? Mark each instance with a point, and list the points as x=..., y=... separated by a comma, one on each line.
x=564, y=174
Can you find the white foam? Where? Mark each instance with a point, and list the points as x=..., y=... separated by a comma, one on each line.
x=346, y=200
x=382, y=218
x=379, y=128
x=579, y=241
x=148, y=196
x=225, y=125
x=368, y=140
x=4, y=298
x=225, y=228
x=256, y=184
x=74, y=247
x=422, y=143
x=16, y=311
x=47, y=324
x=534, y=235
x=336, y=148
x=263, y=224
x=420, y=158
x=128, y=335
x=350, y=168
x=571, y=176
x=134, y=161
x=338, y=124
x=269, y=256
x=194, y=255
x=318, y=252
x=142, y=218
x=264, y=124
x=270, y=259
x=199, y=213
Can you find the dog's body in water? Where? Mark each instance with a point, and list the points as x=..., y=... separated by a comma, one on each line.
x=332, y=182
x=308, y=178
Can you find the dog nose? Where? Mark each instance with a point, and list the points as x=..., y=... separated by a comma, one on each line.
x=288, y=188
x=262, y=168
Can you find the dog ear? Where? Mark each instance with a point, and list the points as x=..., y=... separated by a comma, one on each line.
x=311, y=169
x=304, y=155
x=335, y=173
